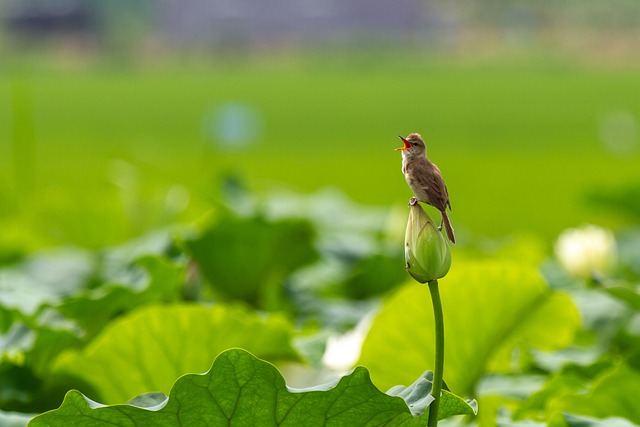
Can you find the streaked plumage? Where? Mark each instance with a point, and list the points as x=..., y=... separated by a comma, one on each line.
x=425, y=179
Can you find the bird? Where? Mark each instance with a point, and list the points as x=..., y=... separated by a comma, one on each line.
x=425, y=179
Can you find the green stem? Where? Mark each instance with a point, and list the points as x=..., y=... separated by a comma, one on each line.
x=437, y=374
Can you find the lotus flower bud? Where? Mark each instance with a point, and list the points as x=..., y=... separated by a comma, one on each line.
x=426, y=250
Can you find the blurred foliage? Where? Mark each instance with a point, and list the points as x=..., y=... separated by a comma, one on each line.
x=625, y=200
x=614, y=392
x=129, y=319
x=374, y=276
x=250, y=258
x=69, y=314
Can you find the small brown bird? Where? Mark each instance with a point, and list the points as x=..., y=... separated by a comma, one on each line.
x=425, y=179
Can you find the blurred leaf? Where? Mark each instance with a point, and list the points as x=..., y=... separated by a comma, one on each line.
x=614, y=395
x=511, y=386
x=26, y=383
x=625, y=200
x=45, y=278
x=240, y=389
x=18, y=339
x=625, y=294
x=602, y=315
x=59, y=312
x=14, y=419
x=375, y=275
x=42, y=338
x=18, y=385
x=48, y=344
x=155, y=243
x=7, y=318
x=147, y=349
x=22, y=391
x=249, y=258
x=492, y=308
x=629, y=253
x=152, y=279
x=537, y=326
x=9, y=255
x=576, y=421
x=571, y=379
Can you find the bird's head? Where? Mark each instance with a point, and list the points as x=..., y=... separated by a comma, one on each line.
x=413, y=145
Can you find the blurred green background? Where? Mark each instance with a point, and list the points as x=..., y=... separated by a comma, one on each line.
x=121, y=123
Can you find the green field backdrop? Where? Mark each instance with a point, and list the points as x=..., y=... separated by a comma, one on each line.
x=94, y=155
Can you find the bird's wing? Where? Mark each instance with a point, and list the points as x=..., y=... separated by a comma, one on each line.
x=446, y=192
x=434, y=185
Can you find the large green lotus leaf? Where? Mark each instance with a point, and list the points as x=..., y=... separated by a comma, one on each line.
x=615, y=394
x=151, y=347
x=242, y=390
x=491, y=308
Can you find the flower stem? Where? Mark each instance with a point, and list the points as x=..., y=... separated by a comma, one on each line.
x=437, y=374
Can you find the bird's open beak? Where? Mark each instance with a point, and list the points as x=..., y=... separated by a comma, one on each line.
x=407, y=144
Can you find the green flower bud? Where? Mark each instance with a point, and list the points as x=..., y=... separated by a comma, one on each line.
x=426, y=250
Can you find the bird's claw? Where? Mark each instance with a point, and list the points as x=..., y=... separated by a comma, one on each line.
x=413, y=201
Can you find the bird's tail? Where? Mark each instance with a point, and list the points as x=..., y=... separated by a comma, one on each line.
x=448, y=227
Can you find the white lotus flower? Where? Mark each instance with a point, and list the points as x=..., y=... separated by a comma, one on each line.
x=586, y=251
